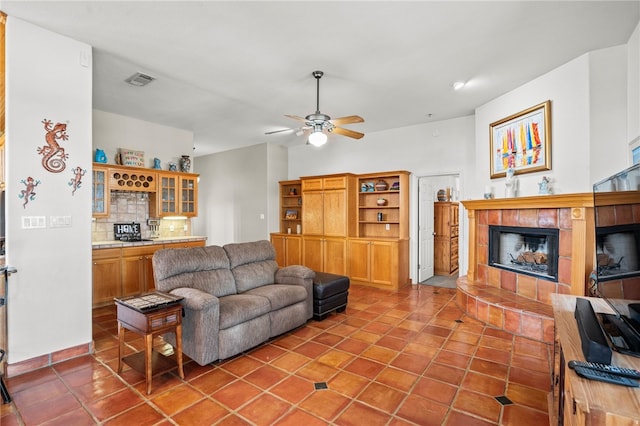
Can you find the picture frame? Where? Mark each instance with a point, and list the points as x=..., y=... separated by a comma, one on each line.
x=521, y=141
x=634, y=151
x=291, y=214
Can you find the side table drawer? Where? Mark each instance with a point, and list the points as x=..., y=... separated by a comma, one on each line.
x=164, y=319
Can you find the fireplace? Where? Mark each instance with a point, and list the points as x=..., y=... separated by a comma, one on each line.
x=529, y=251
x=617, y=251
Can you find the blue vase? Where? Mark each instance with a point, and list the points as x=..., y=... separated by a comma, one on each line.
x=100, y=157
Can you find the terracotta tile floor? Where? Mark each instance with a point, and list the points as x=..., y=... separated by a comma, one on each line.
x=403, y=358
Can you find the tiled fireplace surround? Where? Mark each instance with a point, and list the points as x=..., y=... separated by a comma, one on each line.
x=515, y=302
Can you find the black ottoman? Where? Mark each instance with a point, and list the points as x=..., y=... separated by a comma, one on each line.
x=330, y=292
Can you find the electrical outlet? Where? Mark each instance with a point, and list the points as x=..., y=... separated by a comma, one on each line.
x=387, y=227
x=172, y=228
x=186, y=227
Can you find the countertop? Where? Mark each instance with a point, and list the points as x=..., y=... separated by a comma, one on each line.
x=163, y=240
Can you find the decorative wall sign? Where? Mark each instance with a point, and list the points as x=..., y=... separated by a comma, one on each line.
x=28, y=193
x=53, y=155
x=76, y=180
x=521, y=141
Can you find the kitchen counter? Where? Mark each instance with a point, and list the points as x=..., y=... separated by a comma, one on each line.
x=163, y=240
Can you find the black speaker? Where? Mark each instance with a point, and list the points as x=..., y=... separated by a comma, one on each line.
x=594, y=342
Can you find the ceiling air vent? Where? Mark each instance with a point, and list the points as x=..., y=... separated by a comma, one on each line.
x=140, y=79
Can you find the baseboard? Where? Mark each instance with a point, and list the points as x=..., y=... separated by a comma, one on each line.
x=47, y=360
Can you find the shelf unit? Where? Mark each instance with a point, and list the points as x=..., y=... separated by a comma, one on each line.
x=290, y=202
x=390, y=220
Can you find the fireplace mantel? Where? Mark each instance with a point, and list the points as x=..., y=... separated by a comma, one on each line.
x=572, y=213
x=534, y=202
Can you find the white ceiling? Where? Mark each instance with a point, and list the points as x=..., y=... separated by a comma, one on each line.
x=229, y=71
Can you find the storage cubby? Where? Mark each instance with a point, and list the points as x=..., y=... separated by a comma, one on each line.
x=290, y=206
x=383, y=205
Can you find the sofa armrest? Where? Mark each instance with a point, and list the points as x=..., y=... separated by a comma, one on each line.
x=294, y=274
x=200, y=325
x=298, y=275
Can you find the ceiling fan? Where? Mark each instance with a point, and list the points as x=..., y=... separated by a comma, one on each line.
x=319, y=124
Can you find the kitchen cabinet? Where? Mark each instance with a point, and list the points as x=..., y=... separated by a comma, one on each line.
x=288, y=249
x=101, y=196
x=325, y=254
x=127, y=271
x=445, y=244
x=177, y=195
x=185, y=244
x=379, y=263
x=107, y=275
x=137, y=269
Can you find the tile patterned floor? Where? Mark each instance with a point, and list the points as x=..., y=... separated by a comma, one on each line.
x=406, y=358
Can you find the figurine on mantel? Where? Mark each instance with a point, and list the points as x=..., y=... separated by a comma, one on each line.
x=511, y=184
x=545, y=186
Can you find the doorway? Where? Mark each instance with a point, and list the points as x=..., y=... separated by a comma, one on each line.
x=428, y=187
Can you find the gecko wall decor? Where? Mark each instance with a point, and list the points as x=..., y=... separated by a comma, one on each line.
x=28, y=193
x=53, y=155
x=76, y=180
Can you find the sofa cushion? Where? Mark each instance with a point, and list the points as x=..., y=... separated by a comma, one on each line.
x=252, y=264
x=202, y=268
x=280, y=295
x=238, y=308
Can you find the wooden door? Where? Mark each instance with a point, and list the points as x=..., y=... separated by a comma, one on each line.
x=359, y=260
x=335, y=213
x=188, y=196
x=106, y=280
x=312, y=213
x=168, y=204
x=384, y=261
x=279, y=244
x=335, y=256
x=132, y=275
x=312, y=252
x=293, y=251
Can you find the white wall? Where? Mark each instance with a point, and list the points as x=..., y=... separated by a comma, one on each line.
x=238, y=194
x=587, y=108
x=49, y=299
x=113, y=131
x=633, y=86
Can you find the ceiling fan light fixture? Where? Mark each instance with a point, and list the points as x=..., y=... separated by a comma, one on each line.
x=458, y=85
x=317, y=138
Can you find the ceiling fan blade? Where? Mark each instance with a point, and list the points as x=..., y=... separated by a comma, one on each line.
x=295, y=117
x=347, y=132
x=347, y=120
x=279, y=131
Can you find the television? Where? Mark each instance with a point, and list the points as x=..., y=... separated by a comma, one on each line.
x=616, y=276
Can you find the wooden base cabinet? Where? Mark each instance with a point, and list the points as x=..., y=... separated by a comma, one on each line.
x=107, y=275
x=288, y=249
x=324, y=254
x=379, y=263
x=137, y=269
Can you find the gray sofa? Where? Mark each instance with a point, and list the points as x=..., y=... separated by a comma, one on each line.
x=235, y=296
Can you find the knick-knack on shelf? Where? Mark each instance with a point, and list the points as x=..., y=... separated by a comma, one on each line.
x=185, y=164
x=511, y=184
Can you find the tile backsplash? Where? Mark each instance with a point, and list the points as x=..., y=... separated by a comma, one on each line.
x=134, y=207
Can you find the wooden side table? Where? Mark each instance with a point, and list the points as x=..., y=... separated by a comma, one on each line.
x=149, y=323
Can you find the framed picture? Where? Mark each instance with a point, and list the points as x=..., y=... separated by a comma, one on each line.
x=634, y=151
x=291, y=214
x=521, y=141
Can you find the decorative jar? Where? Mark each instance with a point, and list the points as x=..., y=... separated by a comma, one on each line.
x=381, y=185
x=381, y=202
x=185, y=164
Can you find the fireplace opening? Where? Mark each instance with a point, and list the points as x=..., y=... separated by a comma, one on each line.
x=617, y=251
x=530, y=251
